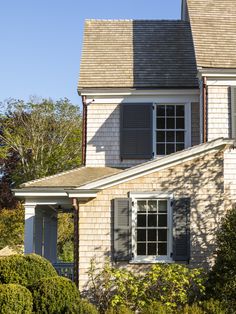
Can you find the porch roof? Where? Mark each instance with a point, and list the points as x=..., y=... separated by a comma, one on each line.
x=71, y=179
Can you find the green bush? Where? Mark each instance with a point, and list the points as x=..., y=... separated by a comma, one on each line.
x=213, y=307
x=192, y=309
x=155, y=307
x=55, y=295
x=24, y=269
x=172, y=285
x=119, y=310
x=85, y=307
x=15, y=299
x=222, y=278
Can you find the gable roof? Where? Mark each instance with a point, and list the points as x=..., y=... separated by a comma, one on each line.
x=213, y=24
x=136, y=54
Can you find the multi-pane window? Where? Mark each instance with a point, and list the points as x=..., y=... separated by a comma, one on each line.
x=152, y=227
x=170, y=129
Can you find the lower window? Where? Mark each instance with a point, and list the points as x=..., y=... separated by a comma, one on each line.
x=152, y=229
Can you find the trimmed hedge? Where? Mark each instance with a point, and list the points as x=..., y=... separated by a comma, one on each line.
x=15, y=299
x=55, y=295
x=25, y=269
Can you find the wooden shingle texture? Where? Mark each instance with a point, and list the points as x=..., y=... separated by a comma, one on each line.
x=136, y=54
x=213, y=24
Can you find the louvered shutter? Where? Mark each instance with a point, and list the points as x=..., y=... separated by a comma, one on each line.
x=136, y=131
x=233, y=111
x=181, y=229
x=122, y=229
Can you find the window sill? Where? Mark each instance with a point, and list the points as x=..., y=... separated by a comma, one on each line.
x=148, y=260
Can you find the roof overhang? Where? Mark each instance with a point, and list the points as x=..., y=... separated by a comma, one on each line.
x=68, y=193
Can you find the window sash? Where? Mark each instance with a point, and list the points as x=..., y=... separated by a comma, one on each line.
x=186, y=129
x=169, y=229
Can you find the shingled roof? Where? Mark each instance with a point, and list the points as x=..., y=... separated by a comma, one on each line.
x=136, y=54
x=213, y=24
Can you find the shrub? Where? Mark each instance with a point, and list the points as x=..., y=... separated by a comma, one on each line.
x=213, y=307
x=15, y=299
x=24, y=270
x=192, y=309
x=155, y=307
x=55, y=295
x=222, y=278
x=172, y=285
x=119, y=310
x=85, y=307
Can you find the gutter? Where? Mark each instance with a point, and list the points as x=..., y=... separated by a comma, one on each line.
x=84, y=130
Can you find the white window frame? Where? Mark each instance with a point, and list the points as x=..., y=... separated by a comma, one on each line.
x=152, y=258
x=187, y=122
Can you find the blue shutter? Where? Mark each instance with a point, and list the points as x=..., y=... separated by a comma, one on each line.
x=181, y=229
x=122, y=229
x=136, y=131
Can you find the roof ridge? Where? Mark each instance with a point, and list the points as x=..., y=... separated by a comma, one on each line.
x=131, y=20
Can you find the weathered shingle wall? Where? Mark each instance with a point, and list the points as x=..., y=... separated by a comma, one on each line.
x=137, y=53
x=103, y=135
x=200, y=179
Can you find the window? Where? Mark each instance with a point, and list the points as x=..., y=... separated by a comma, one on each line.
x=152, y=229
x=148, y=129
x=170, y=129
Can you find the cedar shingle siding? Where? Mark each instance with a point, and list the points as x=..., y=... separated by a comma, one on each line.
x=137, y=53
x=213, y=24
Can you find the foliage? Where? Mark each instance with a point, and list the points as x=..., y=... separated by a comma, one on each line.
x=122, y=309
x=15, y=299
x=24, y=269
x=192, y=309
x=12, y=227
x=54, y=295
x=44, y=136
x=65, y=241
x=173, y=285
x=212, y=306
x=155, y=307
x=222, y=279
x=85, y=307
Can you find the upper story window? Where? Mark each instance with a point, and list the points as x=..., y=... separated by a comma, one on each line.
x=149, y=130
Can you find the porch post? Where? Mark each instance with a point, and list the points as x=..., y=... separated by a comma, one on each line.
x=76, y=241
x=29, y=237
x=50, y=237
x=38, y=232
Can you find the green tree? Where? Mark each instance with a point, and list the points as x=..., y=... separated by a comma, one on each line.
x=222, y=279
x=44, y=137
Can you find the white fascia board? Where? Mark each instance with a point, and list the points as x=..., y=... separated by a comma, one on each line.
x=133, y=92
x=38, y=193
x=82, y=195
x=216, y=73
x=159, y=164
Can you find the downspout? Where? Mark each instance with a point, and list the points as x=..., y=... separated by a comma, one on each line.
x=76, y=240
x=204, y=111
x=84, y=130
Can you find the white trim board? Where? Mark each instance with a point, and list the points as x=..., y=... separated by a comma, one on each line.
x=158, y=164
x=139, y=92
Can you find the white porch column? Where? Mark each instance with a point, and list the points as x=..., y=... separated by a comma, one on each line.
x=50, y=237
x=38, y=232
x=29, y=240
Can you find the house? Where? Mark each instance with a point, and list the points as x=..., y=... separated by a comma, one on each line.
x=159, y=122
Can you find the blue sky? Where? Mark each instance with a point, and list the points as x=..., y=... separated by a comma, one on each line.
x=41, y=41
